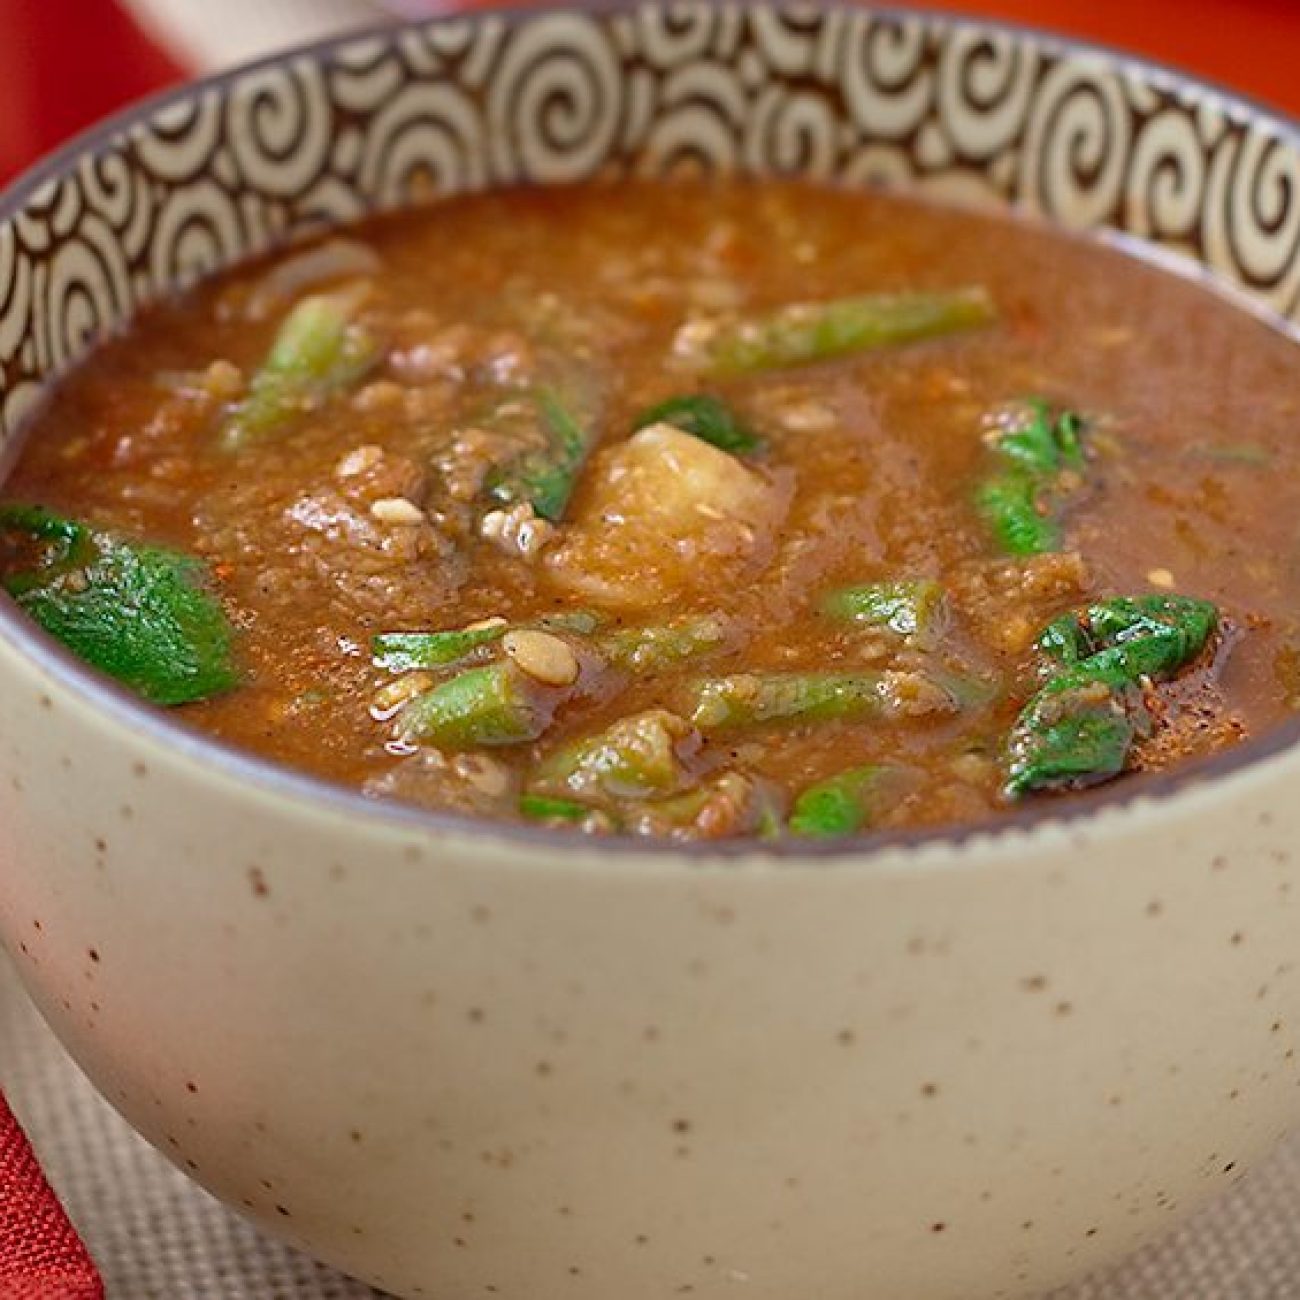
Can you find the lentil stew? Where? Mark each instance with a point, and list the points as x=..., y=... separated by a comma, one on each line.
x=693, y=510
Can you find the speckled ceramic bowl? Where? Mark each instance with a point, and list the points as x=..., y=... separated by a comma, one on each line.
x=467, y=1060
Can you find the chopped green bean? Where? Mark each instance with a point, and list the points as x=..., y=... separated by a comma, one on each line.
x=142, y=614
x=542, y=808
x=804, y=333
x=966, y=692
x=750, y=699
x=705, y=417
x=729, y=803
x=399, y=652
x=635, y=758
x=1009, y=505
x=1039, y=441
x=493, y=705
x=319, y=350
x=845, y=803
x=651, y=649
x=581, y=622
x=914, y=608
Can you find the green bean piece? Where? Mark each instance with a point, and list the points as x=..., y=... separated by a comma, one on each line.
x=751, y=699
x=142, y=614
x=493, y=705
x=705, y=417
x=636, y=757
x=545, y=477
x=581, y=622
x=652, y=649
x=542, y=808
x=1079, y=728
x=1040, y=441
x=729, y=803
x=805, y=333
x=1042, y=456
x=966, y=692
x=846, y=802
x=399, y=652
x=916, y=608
x=319, y=350
x=1009, y=505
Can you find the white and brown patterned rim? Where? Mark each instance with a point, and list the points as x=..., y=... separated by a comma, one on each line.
x=978, y=113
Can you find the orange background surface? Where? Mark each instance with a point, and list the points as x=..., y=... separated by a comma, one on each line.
x=65, y=63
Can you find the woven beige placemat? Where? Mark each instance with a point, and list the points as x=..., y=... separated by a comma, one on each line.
x=156, y=1236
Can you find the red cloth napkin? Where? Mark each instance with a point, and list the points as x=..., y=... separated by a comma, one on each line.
x=41, y=1256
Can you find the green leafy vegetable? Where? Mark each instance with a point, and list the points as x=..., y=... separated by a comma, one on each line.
x=1080, y=726
x=319, y=350
x=705, y=417
x=1076, y=731
x=803, y=333
x=142, y=614
x=1128, y=637
x=546, y=477
x=1042, y=458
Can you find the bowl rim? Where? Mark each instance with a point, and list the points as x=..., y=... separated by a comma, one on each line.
x=319, y=796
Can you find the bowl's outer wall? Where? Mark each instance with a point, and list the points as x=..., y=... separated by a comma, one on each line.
x=446, y=1063
x=458, y=1064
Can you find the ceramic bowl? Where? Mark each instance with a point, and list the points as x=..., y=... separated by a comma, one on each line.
x=464, y=1060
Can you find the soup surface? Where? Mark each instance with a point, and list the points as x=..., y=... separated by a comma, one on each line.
x=684, y=510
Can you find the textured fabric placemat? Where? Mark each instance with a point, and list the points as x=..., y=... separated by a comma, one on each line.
x=156, y=1236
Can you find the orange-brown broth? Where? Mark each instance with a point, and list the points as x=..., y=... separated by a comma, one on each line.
x=1165, y=371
